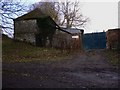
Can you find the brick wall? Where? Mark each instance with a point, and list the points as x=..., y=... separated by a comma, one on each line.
x=113, y=39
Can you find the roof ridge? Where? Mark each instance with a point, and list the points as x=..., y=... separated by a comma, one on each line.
x=33, y=14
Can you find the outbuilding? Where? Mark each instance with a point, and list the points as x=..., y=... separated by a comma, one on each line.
x=68, y=39
x=35, y=27
x=41, y=30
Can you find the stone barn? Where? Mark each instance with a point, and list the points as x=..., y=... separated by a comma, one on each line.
x=113, y=39
x=35, y=27
x=41, y=30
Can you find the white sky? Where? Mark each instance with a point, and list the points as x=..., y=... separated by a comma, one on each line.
x=103, y=14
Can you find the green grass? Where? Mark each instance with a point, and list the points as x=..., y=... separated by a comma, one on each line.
x=113, y=57
x=16, y=51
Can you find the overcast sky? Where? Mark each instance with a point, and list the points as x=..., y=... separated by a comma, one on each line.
x=103, y=14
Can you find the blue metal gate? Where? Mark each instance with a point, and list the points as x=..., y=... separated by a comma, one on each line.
x=94, y=40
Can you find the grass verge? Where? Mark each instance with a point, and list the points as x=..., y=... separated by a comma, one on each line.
x=16, y=51
x=113, y=57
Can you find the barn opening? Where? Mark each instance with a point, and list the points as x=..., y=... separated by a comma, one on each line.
x=46, y=30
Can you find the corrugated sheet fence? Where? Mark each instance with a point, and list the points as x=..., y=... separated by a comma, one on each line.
x=94, y=40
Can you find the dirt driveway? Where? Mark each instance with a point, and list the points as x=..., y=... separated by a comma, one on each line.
x=84, y=70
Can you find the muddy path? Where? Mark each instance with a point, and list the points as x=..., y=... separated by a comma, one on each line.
x=84, y=70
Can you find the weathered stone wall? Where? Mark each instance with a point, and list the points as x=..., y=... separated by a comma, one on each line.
x=29, y=37
x=63, y=40
x=25, y=30
x=113, y=39
x=25, y=26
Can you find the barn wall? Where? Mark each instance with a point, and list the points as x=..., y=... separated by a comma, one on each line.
x=25, y=26
x=29, y=37
x=113, y=39
x=63, y=40
x=25, y=30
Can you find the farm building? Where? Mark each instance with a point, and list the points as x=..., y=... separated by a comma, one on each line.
x=113, y=39
x=68, y=39
x=41, y=30
x=34, y=27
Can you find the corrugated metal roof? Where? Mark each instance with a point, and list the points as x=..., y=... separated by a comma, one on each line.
x=73, y=30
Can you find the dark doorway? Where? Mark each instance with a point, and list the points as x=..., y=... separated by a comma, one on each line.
x=47, y=28
x=38, y=40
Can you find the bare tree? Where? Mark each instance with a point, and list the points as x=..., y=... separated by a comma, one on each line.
x=72, y=17
x=64, y=13
x=10, y=9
